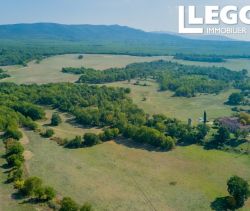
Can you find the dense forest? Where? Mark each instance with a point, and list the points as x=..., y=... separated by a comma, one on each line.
x=21, y=43
x=199, y=58
x=184, y=80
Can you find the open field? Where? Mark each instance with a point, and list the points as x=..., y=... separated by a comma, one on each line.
x=123, y=176
x=178, y=107
x=49, y=69
x=233, y=64
x=67, y=129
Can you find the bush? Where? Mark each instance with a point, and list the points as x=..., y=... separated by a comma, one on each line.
x=91, y=139
x=56, y=119
x=14, y=148
x=15, y=175
x=109, y=134
x=48, y=133
x=239, y=189
x=15, y=160
x=77, y=142
x=31, y=186
x=68, y=204
x=13, y=133
x=86, y=207
x=45, y=193
x=19, y=184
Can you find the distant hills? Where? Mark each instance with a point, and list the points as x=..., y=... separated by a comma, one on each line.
x=118, y=39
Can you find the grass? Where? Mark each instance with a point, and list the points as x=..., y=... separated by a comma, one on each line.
x=68, y=128
x=49, y=70
x=123, y=176
x=179, y=107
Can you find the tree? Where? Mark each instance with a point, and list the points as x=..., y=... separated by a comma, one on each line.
x=45, y=193
x=15, y=148
x=13, y=133
x=75, y=143
x=223, y=135
x=15, y=160
x=31, y=185
x=86, y=207
x=48, y=133
x=205, y=117
x=68, y=204
x=56, y=119
x=80, y=57
x=235, y=99
x=91, y=139
x=238, y=188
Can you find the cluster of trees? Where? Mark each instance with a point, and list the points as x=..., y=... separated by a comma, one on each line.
x=77, y=71
x=3, y=74
x=91, y=139
x=184, y=80
x=68, y=204
x=239, y=191
x=92, y=106
x=199, y=58
x=14, y=158
x=189, y=86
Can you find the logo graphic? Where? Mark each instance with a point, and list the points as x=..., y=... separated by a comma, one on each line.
x=213, y=18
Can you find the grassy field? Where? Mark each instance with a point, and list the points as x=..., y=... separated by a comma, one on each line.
x=67, y=129
x=179, y=107
x=123, y=176
x=49, y=70
x=233, y=64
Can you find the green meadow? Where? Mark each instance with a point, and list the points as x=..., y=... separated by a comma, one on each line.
x=120, y=175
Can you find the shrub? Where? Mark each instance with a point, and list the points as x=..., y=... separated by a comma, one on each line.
x=48, y=133
x=31, y=186
x=15, y=175
x=86, y=207
x=109, y=134
x=15, y=160
x=75, y=143
x=13, y=133
x=56, y=119
x=68, y=204
x=45, y=193
x=14, y=148
x=91, y=139
x=238, y=188
x=19, y=184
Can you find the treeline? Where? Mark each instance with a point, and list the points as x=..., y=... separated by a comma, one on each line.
x=77, y=71
x=184, y=80
x=188, y=86
x=3, y=74
x=199, y=58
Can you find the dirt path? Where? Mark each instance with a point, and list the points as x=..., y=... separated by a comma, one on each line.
x=27, y=153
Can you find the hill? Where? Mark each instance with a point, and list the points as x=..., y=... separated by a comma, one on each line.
x=23, y=42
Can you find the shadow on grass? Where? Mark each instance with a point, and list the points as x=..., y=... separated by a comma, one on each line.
x=17, y=196
x=135, y=145
x=219, y=204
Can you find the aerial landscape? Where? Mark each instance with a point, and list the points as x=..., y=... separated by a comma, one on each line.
x=103, y=116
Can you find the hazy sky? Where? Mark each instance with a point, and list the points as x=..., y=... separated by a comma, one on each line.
x=149, y=15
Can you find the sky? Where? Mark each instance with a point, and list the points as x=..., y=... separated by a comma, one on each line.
x=148, y=15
